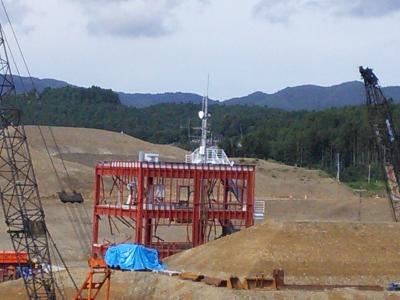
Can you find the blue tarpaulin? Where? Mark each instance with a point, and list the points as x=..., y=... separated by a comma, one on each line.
x=132, y=257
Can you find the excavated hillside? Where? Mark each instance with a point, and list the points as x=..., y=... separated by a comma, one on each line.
x=81, y=148
x=291, y=193
x=316, y=229
x=329, y=252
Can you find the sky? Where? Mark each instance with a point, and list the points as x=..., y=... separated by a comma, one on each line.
x=155, y=46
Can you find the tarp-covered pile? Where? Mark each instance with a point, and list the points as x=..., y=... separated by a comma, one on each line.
x=132, y=257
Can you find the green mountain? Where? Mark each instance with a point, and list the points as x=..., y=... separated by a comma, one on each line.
x=313, y=97
x=25, y=84
x=145, y=100
x=304, y=138
x=305, y=97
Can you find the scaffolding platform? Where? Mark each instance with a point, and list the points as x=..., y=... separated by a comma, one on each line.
x=171, y=206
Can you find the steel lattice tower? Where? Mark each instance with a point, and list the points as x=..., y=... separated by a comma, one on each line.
x=19, y=192
x=380, y=119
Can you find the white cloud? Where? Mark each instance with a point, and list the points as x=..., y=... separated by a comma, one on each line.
x=132, y=18
x=283, y=10
x=18, y=12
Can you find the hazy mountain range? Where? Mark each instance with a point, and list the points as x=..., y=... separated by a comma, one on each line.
x=304, y=97
x=24, y=84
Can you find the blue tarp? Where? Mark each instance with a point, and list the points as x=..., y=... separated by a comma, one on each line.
x=132, y=257
x=394, y=286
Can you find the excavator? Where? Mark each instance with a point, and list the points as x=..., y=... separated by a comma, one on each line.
x=381, y=122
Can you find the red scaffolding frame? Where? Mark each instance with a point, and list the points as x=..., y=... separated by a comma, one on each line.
x=170, y=206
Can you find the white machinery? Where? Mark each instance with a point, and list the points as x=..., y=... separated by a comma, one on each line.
x=207, y=154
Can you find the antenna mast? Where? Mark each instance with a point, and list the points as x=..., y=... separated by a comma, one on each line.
x=207, y=154
x=203, y=115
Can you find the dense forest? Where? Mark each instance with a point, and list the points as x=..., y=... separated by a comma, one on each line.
x=308, y=139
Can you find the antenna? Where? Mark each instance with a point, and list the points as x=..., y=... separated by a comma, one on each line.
x=208, y=84
x=204, y=154
x=203, y=115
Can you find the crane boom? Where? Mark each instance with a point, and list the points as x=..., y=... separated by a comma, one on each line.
x=381, y=122
x=20, y=199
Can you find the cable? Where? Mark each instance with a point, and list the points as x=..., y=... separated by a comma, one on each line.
x=13, y=60
x=62, y=260
x=57, y=277
x=39, y=128
x=33, y=85
x=16, y=40
x=59, y=153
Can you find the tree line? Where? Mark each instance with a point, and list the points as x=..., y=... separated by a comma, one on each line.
x=302, y=138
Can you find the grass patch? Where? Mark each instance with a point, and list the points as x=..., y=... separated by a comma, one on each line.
x=323, y=174
x=373, y=188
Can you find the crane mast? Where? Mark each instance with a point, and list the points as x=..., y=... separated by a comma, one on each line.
x=381, y=122
x=20, y=199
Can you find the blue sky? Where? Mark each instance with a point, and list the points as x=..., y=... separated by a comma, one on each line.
x=171, y=45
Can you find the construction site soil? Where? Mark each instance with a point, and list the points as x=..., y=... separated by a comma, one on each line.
x=316, y=229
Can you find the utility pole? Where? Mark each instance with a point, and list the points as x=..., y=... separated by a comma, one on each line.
x=338, y=167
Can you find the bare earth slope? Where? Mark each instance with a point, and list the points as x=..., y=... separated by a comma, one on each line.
x=82, y=148
x=323, y=251
x=295, y=236
x=290, y=192
x=293, y=193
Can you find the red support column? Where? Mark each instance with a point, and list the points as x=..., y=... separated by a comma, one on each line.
x=95, y=218
x=140, y=202
x=196, y=210
x=150, y=200
x=148, y=232
x=250, y=199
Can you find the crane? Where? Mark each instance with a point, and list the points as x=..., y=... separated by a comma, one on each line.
x=20, y=199
x=381, y=122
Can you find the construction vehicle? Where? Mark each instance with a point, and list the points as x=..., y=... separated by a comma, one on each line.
x=381, y=123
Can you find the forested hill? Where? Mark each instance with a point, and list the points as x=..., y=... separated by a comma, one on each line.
x=310, y=139
x=306, y=97
x=313, y=97
x=25, y=84
x=145, y=100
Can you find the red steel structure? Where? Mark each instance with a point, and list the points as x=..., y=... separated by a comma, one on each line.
x=169, y=206
x=9, y=261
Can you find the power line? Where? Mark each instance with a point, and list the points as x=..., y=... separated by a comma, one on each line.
x=17, y=42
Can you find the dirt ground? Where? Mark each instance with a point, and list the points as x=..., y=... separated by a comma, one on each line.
x=319, y=252
x=316, y=229
x=144, y=285
x=82, y=148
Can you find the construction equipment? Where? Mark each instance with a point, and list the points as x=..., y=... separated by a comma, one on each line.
x=12, y=264
x=98, y=276
x=19, y=192
x=381, y=122
x=21, y=203
x=73, y=197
